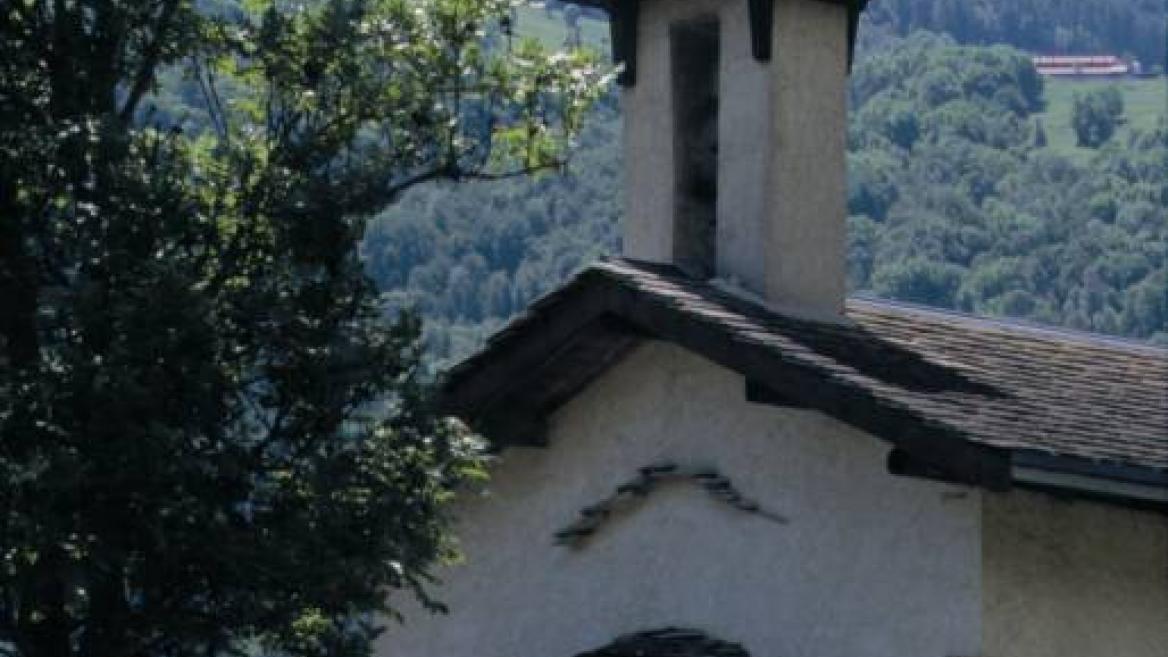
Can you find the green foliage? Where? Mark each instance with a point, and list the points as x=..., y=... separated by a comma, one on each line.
x=1040, y=139
x=211, y=439
x=1095, y=116
x=919, y=280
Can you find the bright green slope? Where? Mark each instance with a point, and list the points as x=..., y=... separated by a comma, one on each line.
x=1144, y=103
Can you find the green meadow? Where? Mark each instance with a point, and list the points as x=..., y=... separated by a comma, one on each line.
x=1144, y=104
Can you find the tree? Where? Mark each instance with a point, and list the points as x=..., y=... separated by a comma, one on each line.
x=1095, y=115
x=209, y=437
x=920, y=281
x=1040, y=140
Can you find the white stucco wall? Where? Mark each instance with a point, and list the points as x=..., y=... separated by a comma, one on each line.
x=1073, y=579
x=869, y=565
x=806, y=228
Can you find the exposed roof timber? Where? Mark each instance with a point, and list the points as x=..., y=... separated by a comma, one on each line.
x=1123, y=474
x=903, y=464
x=622, y=24
x=1130, y=487
x=758, y=392
x=854, y=10
x=1103, y=488
x=522, y=426
x=624, y=15
x=762, y=25
x=497, y=378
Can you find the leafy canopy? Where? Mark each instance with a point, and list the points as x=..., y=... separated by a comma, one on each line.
x=1095, y=115
x=210, y=440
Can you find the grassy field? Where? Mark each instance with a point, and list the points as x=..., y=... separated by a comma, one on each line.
x=1144, y=104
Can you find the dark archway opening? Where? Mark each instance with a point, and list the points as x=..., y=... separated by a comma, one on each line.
x=668, y=642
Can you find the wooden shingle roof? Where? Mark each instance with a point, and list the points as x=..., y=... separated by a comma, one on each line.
x=959, y=397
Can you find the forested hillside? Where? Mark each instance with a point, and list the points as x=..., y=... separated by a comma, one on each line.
x=1130, y=28
x=955, y=201
x=953, y=204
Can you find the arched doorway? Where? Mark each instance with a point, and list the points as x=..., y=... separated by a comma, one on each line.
x=668, y=642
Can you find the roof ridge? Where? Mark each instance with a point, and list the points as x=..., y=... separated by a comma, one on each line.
x=617, y=265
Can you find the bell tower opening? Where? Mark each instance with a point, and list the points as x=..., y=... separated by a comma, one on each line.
x=694, y=52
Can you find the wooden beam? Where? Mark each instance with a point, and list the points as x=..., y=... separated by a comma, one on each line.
x=623, y=16
x=758, y=392
x=590, y=352
x=854, y=11
x=622, y=23
x=511, y=359
x=903, y=464
x=762, y=25
x=509, y=426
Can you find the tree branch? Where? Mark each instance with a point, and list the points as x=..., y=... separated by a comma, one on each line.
x=149, y=62
x=454, y=173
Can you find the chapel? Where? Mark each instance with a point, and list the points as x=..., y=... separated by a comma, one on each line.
x=706, y=449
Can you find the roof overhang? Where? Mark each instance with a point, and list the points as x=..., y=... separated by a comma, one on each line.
x=570, y=337
x=623, y=17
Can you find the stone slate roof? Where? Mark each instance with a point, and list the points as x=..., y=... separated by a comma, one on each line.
x=962, y=398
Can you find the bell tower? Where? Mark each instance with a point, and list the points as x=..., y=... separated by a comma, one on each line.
x=735, y=124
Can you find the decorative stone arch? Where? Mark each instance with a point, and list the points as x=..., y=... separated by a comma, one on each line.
x=668, y=642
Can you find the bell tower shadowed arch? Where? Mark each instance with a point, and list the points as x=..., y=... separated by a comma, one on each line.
x=668, y=642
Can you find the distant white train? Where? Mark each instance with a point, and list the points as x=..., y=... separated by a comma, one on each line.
x=1085, y=66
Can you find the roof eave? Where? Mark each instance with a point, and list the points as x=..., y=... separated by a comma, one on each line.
x=624, y=17
x=1125, y=485
x=1134, y=485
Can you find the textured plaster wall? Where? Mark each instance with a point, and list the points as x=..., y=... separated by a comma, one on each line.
x=1073, y=579
x=805, y=263
x=781, y=128
x=869, y=565
x=745, y=140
